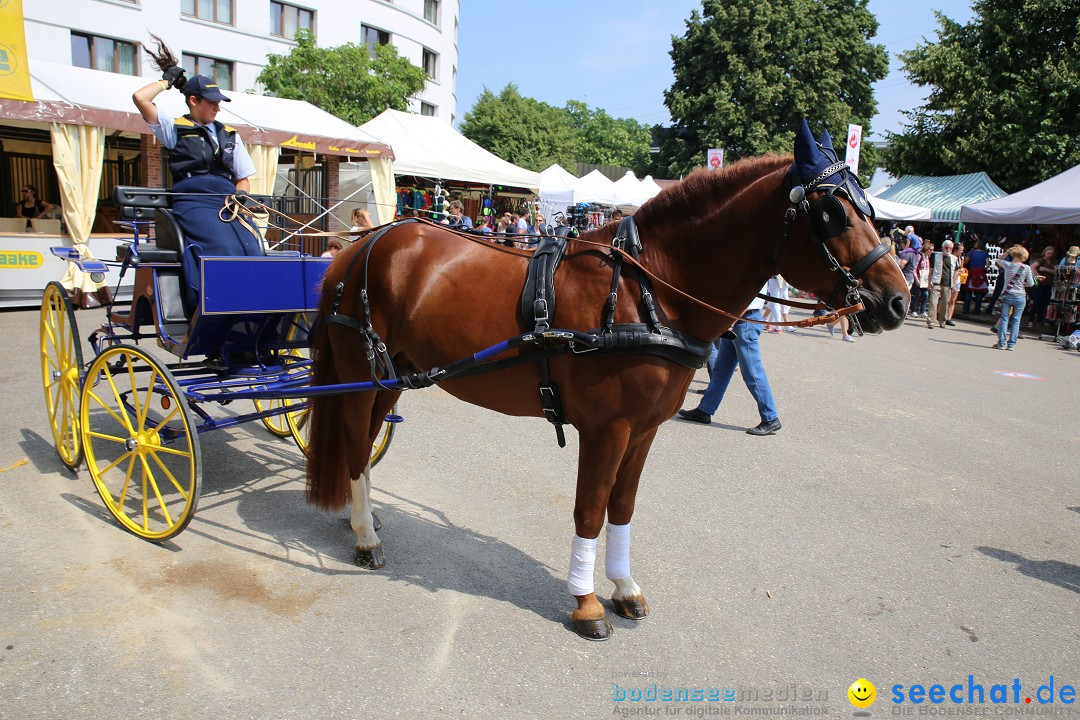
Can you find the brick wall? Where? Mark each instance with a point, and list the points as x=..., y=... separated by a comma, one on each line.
x=331, y=164
x=150, y=170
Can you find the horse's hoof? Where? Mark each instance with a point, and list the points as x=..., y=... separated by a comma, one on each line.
x=372, y=558
x=599, y=629
x=376, y=522
x=634, y=608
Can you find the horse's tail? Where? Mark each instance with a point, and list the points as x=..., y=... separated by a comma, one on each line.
x=327, y=459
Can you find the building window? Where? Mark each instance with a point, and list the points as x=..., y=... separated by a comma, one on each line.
x=286, y=20
x=431, y=11
x=212, y=10
x=431, y=63
x=372, y=37
x=220, y=70
x=102, y=53
x=428, y=109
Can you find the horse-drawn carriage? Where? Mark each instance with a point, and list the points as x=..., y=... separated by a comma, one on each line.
x=135, y=410
x=416, y=303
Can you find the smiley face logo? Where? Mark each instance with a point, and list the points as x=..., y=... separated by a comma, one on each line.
x=862, y=693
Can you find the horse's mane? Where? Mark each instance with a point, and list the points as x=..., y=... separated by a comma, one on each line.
x=687, y=198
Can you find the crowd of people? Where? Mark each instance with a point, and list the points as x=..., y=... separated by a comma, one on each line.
x=959, y=273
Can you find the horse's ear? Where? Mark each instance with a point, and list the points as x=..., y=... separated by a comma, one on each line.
x=827, y=146
x=826, y=141
x=809, y=160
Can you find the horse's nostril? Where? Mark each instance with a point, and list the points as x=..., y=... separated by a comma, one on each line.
x=897, y=306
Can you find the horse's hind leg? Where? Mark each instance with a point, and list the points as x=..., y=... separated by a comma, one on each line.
x=599, y=456
x=628, y=599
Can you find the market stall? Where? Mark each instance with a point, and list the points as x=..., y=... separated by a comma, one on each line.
x=943, y=195
x=1052, y=202
x=433, y=157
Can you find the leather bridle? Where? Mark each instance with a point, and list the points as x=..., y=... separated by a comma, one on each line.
x=827, y=219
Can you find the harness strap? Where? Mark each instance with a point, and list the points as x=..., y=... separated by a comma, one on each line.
x=377, y=355
x=551, y=402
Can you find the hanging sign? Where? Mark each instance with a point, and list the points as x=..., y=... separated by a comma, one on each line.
x=715, y=158
x=14, y=70
x=854, y=145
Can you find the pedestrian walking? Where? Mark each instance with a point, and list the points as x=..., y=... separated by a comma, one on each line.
x=741, y=349
x=1015, y=279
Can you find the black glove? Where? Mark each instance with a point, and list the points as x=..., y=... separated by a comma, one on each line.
x=175, y=77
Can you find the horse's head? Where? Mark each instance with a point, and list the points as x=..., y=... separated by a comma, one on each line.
x=839, y=258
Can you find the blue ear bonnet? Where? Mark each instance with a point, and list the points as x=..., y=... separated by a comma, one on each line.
x=811, y=169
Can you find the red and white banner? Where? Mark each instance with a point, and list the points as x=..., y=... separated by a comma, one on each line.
x=854, y=145
x=715, y=159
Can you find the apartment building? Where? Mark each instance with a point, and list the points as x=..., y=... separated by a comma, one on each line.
x=231, y=39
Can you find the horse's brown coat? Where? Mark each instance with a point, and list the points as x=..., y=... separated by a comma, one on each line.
x=437, y=297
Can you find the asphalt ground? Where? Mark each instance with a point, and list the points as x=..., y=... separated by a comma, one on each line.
x=915, y=522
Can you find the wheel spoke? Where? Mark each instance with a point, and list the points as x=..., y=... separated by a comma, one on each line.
x=169, y=475
x=127, y=483
x=148, y=477
x=148, y=396
x=114, y=463
x=172, y=451
x=51, y=333
x=139, y=414
x=103, y=436
x=122, y=420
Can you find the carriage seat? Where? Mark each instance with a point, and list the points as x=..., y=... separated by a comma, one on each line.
x=538, y=296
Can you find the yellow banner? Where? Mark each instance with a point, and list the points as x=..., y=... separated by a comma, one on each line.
x=14, y=68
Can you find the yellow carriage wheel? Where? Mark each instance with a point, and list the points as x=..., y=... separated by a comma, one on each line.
x=276, y=424
x=141, y=444
x=61, y=368
x=298, y=425
x=296, y=326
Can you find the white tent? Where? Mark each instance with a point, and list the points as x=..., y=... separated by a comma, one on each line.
x=595, y=188
x=888, y=210
x=78, y=96
x=1052, y=202
x=649, y=188
x=428, y=147
x=556, y=190
x=628, y=190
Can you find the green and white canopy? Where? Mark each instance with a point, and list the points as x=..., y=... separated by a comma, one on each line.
x=943, y=195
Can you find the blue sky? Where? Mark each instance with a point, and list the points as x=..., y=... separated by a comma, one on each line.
x=614, y=54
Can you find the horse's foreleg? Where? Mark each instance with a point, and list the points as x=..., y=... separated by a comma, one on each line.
x=357, y=416
x=628, y=599
x=599, y=456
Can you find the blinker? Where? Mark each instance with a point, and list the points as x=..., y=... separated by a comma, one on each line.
x=829, y=216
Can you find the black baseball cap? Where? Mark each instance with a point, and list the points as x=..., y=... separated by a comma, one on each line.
x=204, y=87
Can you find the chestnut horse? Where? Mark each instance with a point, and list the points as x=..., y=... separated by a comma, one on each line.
x=437, y=296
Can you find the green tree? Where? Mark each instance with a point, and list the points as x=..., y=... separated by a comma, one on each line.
x=345, y=81
x=1005, y=89
x=521, y=130
x=746, y=70
x=606, y=140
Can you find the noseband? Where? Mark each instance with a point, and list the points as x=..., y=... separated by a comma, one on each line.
x=828, y=218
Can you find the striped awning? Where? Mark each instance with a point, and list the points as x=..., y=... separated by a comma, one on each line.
x=944, y=195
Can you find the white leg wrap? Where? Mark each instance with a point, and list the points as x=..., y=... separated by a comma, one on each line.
x=582, y=563
x=360, y=518
x=617, y=552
